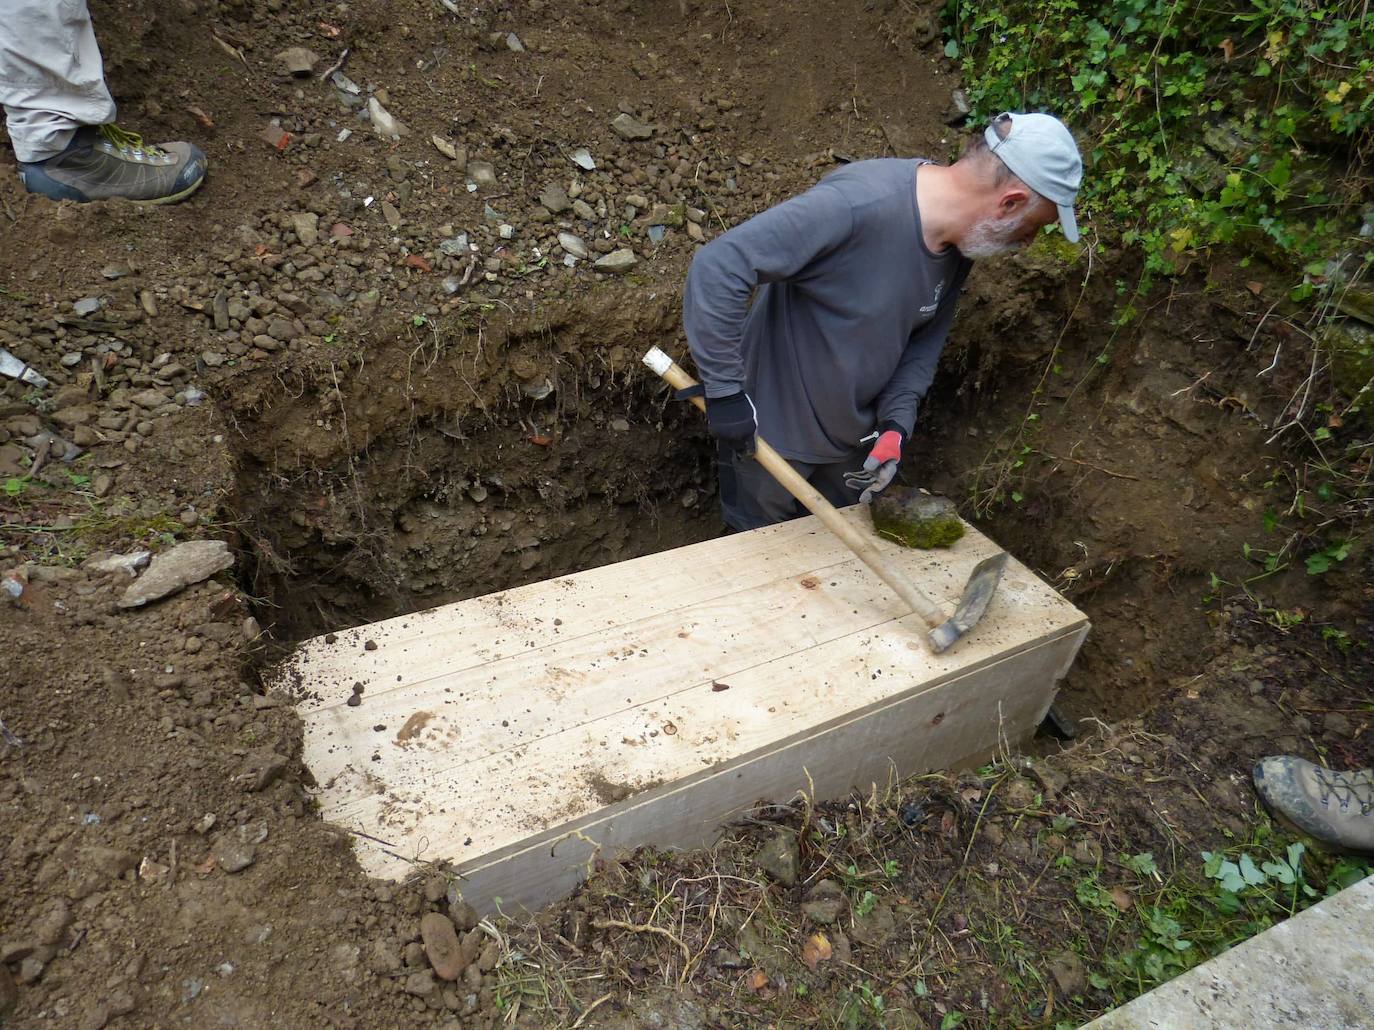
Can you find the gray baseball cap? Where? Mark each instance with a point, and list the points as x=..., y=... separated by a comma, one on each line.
x=1041, y=152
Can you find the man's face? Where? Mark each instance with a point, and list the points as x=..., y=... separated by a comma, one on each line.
x=1012, y=225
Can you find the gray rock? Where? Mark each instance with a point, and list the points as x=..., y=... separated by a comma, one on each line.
x=233, y=855
x=71, y=359
x=482, y=173
x=779, y=858
x=825, y=903
x=383, y=121
x=176, y=569
x=297, y=61
x=112, y=862
x=448, y=149
x=1069, y=973
x=129, y=564
x=267, y=770
x=617, y=262
x=115, y=271
x=31, y=969
x=149, y=400
x=573, y=245
x=665, y=214
x=219, y=310
x=456, y=246
x=86, y=306
x=52, y=924
x=307, y=226
x=876, y=928
x=421, y=984
x=1337, y=724
x=555, y=198
x=513, y=41
x=959, y=108
x=582, y=157
x=283, y=329
x=464, y=916
x=385, y=958
x=583, y=210
x=629, y=127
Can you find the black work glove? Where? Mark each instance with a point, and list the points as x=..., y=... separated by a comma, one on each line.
x=733, y=421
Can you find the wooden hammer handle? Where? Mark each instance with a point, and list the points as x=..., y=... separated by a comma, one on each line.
x=781, y=470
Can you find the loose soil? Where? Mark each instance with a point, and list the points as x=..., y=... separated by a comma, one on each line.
x=305, y=360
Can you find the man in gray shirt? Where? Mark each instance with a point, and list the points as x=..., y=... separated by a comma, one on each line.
x=853, y=287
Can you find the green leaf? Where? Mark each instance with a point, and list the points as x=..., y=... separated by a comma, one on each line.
x=1295, y=852
x=1231, y=880
x=952, y=49
x=1280, y=871
x=1143, y=864
x=1227, y=903
x=1250, y=872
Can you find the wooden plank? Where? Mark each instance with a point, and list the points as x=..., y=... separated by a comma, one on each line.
x=875, y=748
x=440, y=640
x=490, y=728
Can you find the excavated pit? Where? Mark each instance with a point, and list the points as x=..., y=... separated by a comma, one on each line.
x=436, y=467
x=459, y=468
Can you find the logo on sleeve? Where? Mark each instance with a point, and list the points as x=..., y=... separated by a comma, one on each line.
x=939, y=289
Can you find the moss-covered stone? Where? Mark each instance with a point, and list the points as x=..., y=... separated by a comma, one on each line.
x=1357, y=302
x=1351, y=346
x=1051, y=254
x=915, y=519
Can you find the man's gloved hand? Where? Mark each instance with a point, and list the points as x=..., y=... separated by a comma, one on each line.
x=880, y=467
x=733, y=421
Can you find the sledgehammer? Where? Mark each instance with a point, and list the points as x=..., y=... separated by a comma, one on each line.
x=943, y=632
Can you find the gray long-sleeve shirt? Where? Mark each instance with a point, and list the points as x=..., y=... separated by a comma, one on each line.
x=851, y=314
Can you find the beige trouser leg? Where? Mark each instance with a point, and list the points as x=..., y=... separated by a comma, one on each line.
x=52, y=80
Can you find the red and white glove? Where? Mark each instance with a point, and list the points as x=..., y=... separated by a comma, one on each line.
x=880, y=467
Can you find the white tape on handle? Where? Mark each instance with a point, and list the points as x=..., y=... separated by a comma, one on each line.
x=658, y=361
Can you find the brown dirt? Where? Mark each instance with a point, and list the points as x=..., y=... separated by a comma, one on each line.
x=404, y=449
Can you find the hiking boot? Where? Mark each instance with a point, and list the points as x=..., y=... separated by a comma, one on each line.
x=103, y=161
x=1336, y=808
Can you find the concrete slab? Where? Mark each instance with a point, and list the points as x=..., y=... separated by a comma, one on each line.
x=524, y=734
x=1312, y=972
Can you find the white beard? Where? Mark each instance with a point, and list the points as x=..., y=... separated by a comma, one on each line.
x=992, y=236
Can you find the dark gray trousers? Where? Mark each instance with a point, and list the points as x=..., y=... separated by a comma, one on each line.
x=751, y=498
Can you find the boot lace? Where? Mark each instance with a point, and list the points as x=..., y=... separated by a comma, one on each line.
x=128, y=141
x=1347, y=788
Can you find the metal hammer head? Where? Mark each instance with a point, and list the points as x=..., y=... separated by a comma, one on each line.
x=978, y=593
